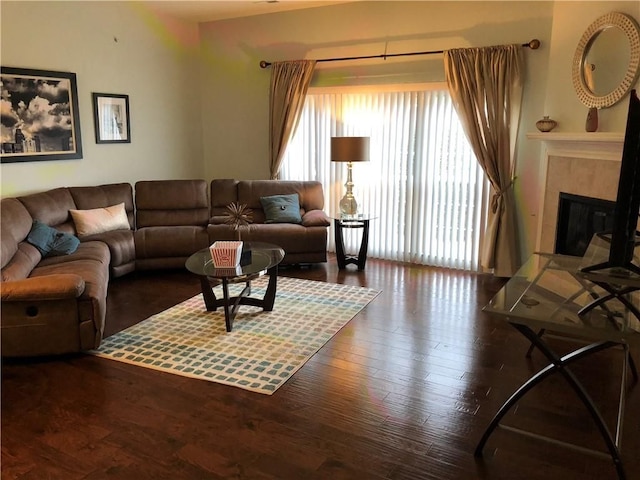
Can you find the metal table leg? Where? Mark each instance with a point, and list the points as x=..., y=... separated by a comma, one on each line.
x=559, y=365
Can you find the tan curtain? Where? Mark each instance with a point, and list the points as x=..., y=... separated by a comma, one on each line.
x=289, y=84
x=486, y=87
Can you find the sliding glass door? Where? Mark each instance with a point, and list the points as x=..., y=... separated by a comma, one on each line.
x=422, y=182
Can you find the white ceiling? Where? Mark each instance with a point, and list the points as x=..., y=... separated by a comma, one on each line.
x=211, y=10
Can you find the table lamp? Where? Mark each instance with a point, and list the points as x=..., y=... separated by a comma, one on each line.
x=349, y=149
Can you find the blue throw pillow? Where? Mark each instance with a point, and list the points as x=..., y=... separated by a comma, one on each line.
x=42, y=237
x=64, y=244
x=51, y=242
x=281, y=208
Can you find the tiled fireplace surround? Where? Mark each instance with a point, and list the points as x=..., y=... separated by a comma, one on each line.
x=585, y=164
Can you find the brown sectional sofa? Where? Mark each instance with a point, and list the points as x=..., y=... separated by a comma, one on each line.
x=57, y=304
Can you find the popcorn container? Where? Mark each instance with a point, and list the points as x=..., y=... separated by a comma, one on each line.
x=226, y=254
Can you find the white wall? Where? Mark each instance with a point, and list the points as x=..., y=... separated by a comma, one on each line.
x=152, y=61
x=570, y=20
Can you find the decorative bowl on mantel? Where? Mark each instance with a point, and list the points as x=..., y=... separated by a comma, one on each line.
x=546, y=124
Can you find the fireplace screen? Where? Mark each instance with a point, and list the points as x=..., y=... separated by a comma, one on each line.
x=579, y=218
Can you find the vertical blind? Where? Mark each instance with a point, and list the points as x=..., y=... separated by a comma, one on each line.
x=422, y=184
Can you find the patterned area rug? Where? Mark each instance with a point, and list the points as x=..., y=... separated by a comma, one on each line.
x=263, y=350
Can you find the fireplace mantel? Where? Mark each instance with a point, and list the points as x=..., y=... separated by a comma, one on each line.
x=595, y=145
x=580, y=163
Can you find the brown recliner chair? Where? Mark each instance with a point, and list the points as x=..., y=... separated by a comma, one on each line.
x=49, y=305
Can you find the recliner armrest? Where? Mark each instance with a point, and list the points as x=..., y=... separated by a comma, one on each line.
x=48, y=287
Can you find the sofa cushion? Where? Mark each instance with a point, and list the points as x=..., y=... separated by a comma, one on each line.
x=21, y=264
x=281, y=208
x=99, y=220
x=15, y=224
x=50, y=241
x=173, y=241
x=101, y=196
x=162, y=203
x=93, y=251
x=223, y=192
x=291, y=237
x=122, y=248
x=51, y=207
x=310, y=194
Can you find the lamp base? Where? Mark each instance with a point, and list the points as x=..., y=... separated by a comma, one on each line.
x=348, y=205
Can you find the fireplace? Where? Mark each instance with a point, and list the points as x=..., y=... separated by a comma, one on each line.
x=579, y=217
x=582, y=163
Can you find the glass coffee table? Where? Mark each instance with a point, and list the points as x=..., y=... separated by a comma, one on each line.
x=264, y=259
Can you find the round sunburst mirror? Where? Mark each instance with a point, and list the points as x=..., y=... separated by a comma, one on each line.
x=607, y=60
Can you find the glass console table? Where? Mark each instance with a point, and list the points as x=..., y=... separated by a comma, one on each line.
x=341, y=222
x=551, y=293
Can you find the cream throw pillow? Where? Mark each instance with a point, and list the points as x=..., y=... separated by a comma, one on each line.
x=99, y=220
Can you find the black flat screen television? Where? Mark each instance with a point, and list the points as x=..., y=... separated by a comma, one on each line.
x=624, y=236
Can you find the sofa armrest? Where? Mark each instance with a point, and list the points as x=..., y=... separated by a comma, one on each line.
x=315, y=218
x=47, y=287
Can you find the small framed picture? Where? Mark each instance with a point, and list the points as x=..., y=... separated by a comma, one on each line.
x=111, y=118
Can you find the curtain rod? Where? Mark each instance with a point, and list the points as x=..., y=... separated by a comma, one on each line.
x=533, y=45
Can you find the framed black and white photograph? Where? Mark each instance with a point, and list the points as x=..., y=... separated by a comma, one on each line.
x=40, y=119
x=111, y=117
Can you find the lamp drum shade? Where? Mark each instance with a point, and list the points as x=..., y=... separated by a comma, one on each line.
x=349, y=149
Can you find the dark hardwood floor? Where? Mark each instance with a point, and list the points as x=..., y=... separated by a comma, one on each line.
x=404, y=391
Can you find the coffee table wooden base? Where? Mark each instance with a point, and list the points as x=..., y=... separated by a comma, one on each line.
x=232, y=304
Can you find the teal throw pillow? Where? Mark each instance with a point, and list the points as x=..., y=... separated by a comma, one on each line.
x=281, y=208
x=51, y=242
x=64, y=244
